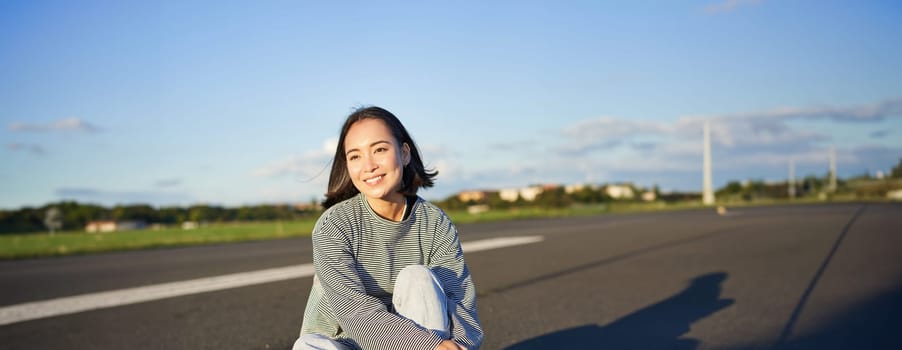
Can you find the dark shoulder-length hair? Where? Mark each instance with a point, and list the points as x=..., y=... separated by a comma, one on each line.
x=415, y=175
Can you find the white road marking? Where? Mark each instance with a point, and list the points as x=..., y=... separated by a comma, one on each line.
x=100, y=300
x=495, y=243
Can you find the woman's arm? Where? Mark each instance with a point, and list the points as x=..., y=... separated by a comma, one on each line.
x=448, y=264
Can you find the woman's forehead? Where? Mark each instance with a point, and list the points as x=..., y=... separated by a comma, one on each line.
x=365, y=132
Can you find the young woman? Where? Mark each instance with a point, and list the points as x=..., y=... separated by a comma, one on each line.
x=390, y=273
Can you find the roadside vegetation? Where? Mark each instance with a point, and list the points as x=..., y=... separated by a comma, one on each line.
x=18, y=246
x=60, y=229
x=78, y=241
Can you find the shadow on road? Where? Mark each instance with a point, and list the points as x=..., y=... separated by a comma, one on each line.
x=873, y=324
x=658, y=326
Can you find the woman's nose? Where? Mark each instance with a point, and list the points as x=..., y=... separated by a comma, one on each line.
x=369, y=164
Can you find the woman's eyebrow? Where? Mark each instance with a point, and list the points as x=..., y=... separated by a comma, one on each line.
x=371, y=145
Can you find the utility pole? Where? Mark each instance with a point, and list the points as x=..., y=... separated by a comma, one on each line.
x=832, y=188
x=792, y=179
x=707, y=191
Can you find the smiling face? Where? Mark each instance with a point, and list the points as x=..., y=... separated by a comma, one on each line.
x=375, y=160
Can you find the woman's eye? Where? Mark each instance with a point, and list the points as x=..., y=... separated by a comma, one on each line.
x=354, y=157
x=381, y=149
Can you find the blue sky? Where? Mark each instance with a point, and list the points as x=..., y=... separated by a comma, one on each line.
x=237, y=102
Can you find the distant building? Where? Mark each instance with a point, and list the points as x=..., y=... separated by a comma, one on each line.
x=623, y=191
x=477, y=196
x=529, y=194
x=112, y=226
x=189, y=225
x=313, y=205
x=509, y=194
x=100, y=226
x=571, y=189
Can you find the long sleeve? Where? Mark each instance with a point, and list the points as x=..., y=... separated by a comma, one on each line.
x=448, y=263
x=364, y=318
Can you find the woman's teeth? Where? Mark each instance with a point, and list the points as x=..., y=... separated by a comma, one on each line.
x=373, y=180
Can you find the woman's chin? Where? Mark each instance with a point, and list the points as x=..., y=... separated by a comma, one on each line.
x=388, y=196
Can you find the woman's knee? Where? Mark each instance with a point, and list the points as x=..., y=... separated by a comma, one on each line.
x=419, y=296
x=415, y=272
x=417, y=276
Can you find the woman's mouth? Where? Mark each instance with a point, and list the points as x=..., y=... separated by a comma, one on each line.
x=374, y=180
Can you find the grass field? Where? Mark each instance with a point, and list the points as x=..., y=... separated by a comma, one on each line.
x=22, y=246
x=79, y=242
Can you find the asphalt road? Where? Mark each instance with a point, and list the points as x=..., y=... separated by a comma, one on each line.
x=791, y=277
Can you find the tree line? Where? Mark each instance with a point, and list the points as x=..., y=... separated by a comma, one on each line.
x=76, y=215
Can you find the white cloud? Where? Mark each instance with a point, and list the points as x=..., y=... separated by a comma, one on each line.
x=442, y=159
x=748, y=132
x=73, y=124
x=330, y=145
x=295, y=194
x=878, y=111
x=307, y=165
x=434, y=151
x=23, y=147
x=167, y=183
x=606, y=133
x=762, y=129
x=446, y=171
x=613, y=127
x=647, y=152
x=772, y=127
x=619, y=149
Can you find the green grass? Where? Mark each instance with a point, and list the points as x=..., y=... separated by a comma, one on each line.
x=20, y=246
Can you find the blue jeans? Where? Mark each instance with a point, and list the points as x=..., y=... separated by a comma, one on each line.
x=418, y=296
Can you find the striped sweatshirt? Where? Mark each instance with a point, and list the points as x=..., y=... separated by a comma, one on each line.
x=357, y=256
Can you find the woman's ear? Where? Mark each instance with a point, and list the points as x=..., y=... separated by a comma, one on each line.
x=405, y=154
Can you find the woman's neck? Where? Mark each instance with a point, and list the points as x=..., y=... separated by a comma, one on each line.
x=391, y=208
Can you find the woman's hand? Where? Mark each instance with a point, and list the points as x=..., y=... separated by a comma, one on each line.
x=449, y=345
